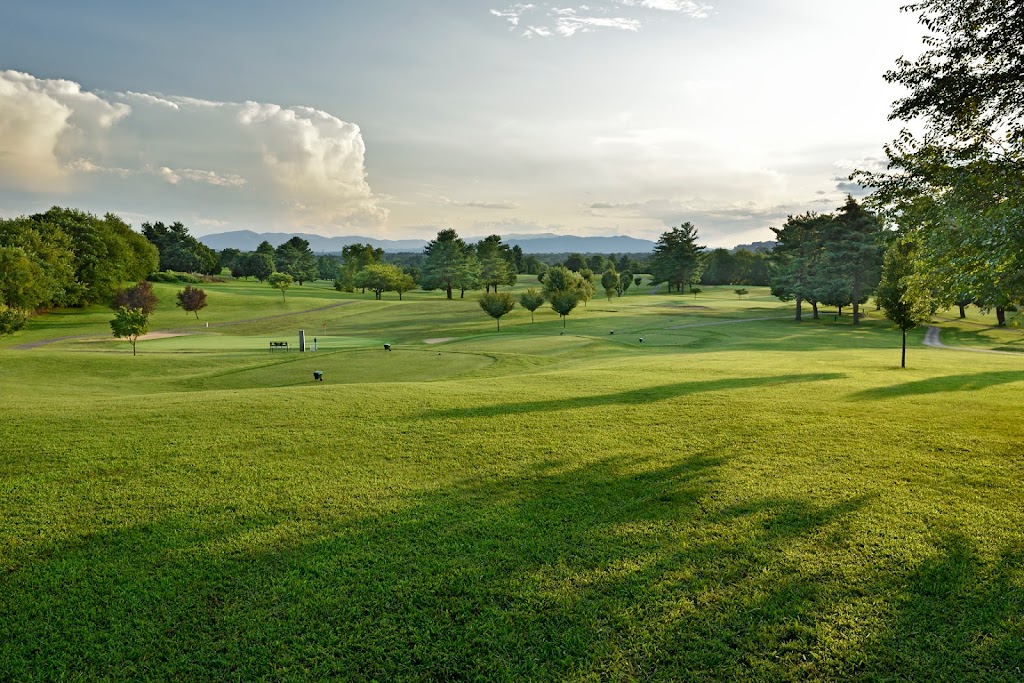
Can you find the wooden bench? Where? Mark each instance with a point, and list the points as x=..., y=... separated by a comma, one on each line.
x=278, y=345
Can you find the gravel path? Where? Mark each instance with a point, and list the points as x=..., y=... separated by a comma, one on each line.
x=185, y=330
x=931, y=338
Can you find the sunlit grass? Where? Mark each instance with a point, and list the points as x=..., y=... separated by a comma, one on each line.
x=758, y=500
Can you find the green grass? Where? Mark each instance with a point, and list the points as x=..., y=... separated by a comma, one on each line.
x=758, y=500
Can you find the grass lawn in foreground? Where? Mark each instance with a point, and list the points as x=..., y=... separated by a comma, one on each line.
x=727, y=500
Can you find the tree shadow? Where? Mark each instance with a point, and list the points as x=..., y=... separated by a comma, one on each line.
x=632, y=397
x=959, y=618
x=614, y=570
x=934, y=385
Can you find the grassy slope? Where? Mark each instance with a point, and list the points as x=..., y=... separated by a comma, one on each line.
x=750, y=501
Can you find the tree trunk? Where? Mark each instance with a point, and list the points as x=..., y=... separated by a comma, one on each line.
x=903, y=357
x=448, y=291
x=498, y=320
x=799, y=309
x=563, y=322
x=1001, y=316
x=814, y=308
x=963, y=310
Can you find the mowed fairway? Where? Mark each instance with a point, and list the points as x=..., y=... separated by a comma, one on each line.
x=738, y=497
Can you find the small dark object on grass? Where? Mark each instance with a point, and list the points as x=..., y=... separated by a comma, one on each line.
x=611, y=331
x=318, y=376
x=641, y=340
x=387, y=347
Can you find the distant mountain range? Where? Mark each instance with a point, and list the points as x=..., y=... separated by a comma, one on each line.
x=545, y=243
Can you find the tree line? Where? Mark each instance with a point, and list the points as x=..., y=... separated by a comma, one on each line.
x=66, y=258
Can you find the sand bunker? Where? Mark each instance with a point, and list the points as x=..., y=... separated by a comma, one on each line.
x=438, y=340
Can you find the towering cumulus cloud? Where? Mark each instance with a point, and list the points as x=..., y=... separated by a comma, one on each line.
x=316, y=158
x=45, y=122
x=290, y=165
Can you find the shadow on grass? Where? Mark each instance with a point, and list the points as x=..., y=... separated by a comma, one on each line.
x=609, y=571
x=633, y=397
x=612, y=571
x=934, y=385
x=961, y=617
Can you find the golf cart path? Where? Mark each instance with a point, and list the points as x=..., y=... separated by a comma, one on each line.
x=931, y=338
x=187, y=330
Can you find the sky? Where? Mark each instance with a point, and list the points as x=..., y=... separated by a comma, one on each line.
x=395, y=118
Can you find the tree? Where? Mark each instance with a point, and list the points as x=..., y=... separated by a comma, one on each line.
x=531, y=300
x=575, y=262
x=625, y=280
x=327, y=266
x=677, y=258
x=497, y=263
x=902, y=302
x=795, y=260
x=445, y=265
x=956, y=188
x=36, y=264
x=565, y=289
x=130, y=324
x=139, y=295
x=383, y=277
x=179, y=250
x=281, y=281
x=637, y=280
x=853, y=247
x=11, y=319
x=259, y=264
x=563, y=303
x=23, y=282
x=748, y=268
x=497, y=304
x=719, y=265
x=402, y=283
x=598, y=263
x=740, y=293
x=610, y=282
x=695, y=291
x=971, y=74
x=297, y=259
x=191, y=299
x=106, y=252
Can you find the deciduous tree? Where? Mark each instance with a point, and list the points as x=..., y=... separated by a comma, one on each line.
x=139, y=295
x=130, y=324
x=531, y=300
x=497, y=304
x=280, y=281
x=191, y=300
x=902, y=299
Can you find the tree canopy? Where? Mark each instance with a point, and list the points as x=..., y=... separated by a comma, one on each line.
x=677, y=258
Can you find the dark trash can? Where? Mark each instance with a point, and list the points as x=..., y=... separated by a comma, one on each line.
x=318, y=376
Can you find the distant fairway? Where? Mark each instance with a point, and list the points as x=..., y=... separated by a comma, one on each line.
x=737, y=497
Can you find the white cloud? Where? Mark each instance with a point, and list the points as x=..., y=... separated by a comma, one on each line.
x=546, y=20
x=44, y=124
x=317, y=159
x=696, y=10
x=174, y=177
x=491, y=205
x=296, y=165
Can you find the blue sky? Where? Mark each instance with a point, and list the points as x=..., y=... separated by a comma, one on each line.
x=395, y=118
